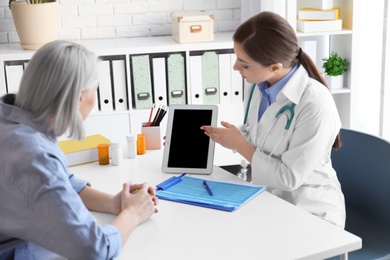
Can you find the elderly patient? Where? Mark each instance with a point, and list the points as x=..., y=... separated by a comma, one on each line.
x=44, y=209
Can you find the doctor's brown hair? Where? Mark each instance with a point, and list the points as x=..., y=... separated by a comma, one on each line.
x=268, y=39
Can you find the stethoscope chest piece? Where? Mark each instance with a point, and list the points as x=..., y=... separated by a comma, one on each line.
x=245, y=129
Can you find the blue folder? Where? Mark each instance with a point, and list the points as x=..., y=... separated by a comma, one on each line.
x=227, y=196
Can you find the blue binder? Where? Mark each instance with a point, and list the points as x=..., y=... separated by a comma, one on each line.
x=227, y=196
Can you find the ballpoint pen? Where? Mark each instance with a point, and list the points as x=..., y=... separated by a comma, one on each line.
x=206, y=186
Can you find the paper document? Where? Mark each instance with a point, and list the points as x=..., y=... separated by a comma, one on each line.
x=227, y=196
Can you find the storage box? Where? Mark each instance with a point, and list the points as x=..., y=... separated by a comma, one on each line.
x=190, y=27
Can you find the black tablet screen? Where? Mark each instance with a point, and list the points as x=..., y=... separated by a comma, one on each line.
x=189, y=145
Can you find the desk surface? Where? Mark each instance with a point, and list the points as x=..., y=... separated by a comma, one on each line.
x=265, y=228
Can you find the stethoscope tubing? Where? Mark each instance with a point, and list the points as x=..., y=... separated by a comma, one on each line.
x=245, y=128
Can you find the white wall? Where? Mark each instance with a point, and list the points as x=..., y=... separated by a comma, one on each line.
x=386, y=77
x=98, y=19
x=368, y=42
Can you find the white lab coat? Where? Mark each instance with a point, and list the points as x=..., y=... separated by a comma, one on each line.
x=300, y=170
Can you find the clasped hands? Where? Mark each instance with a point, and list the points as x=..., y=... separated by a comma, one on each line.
x=136, y=196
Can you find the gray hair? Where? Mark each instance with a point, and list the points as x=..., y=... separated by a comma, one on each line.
x=52, y=83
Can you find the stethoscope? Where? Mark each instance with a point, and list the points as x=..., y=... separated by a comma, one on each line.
x=245, y=126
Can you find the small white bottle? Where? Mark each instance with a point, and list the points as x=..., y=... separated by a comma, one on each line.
x=131, y=146
x=244, y=170
x=116, y=154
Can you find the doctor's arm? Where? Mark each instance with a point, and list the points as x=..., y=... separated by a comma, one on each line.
x=230, y=137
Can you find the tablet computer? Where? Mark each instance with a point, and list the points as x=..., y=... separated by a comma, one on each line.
x=187, y=149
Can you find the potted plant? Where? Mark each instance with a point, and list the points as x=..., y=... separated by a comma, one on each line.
x=335, y=66
x=36, y=21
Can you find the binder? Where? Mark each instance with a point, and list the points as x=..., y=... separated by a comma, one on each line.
x=237, y=82
x=221, y=195
x=177, y=93
x=119, y=82
x=95, y=108
x=142, y=82
x=14, y=75
x=225, y=82
x=105, y=91
x=196, y=94
x=159, y=81
x=210, y=78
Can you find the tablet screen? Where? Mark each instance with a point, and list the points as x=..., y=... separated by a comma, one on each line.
x=187, y=149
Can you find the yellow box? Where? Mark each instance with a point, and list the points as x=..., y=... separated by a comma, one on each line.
x=85, y=151
x=195, y=26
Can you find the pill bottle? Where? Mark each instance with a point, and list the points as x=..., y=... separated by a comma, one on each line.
x=116, y=154
x=103, y=154
x=141, y=144
x=131, y=146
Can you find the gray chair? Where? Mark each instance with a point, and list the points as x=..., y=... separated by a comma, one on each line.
x=363, y=168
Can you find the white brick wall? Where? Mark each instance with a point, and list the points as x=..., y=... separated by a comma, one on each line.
x=99, y=19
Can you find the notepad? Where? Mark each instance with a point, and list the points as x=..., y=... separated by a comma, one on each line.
x=227, y=196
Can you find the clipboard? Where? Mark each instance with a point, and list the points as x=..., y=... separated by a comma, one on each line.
x=226, y=196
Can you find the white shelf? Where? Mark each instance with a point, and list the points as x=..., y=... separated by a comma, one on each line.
x=343, y=90
x=136, y=45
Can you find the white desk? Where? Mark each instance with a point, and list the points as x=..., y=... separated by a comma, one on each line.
x=265, y=228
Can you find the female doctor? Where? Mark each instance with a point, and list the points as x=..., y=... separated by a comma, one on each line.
x=291, y=121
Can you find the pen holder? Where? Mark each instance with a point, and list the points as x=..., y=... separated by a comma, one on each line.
x=152, y=136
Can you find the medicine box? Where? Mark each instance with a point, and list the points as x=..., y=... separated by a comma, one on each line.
x=85, y=151
x=194, y=26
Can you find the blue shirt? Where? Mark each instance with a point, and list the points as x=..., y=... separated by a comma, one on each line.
x=41, y=212
x=269, y=93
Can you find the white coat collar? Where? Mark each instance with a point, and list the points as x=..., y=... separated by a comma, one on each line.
x=295, y=87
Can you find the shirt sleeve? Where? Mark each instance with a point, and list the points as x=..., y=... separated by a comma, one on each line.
x=77, y=184
x=50, y=213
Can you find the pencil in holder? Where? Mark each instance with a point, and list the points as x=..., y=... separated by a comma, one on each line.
x=152, y=136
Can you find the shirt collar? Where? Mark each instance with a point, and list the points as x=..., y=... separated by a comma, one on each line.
x=273, y=91
x=10, y=112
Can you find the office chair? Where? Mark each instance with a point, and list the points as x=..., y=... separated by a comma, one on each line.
x=363, y=169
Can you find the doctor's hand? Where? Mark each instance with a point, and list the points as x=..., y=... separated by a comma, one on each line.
x=228, y=136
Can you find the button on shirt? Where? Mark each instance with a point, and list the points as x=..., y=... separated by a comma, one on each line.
x=268, y=94
x=39, y=201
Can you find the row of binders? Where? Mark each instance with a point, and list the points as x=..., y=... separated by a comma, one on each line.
x=212, y=78
x=195, y=77
x=163, y=79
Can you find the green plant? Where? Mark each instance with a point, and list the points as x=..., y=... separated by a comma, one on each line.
x=28, y=2
x=335, y=65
